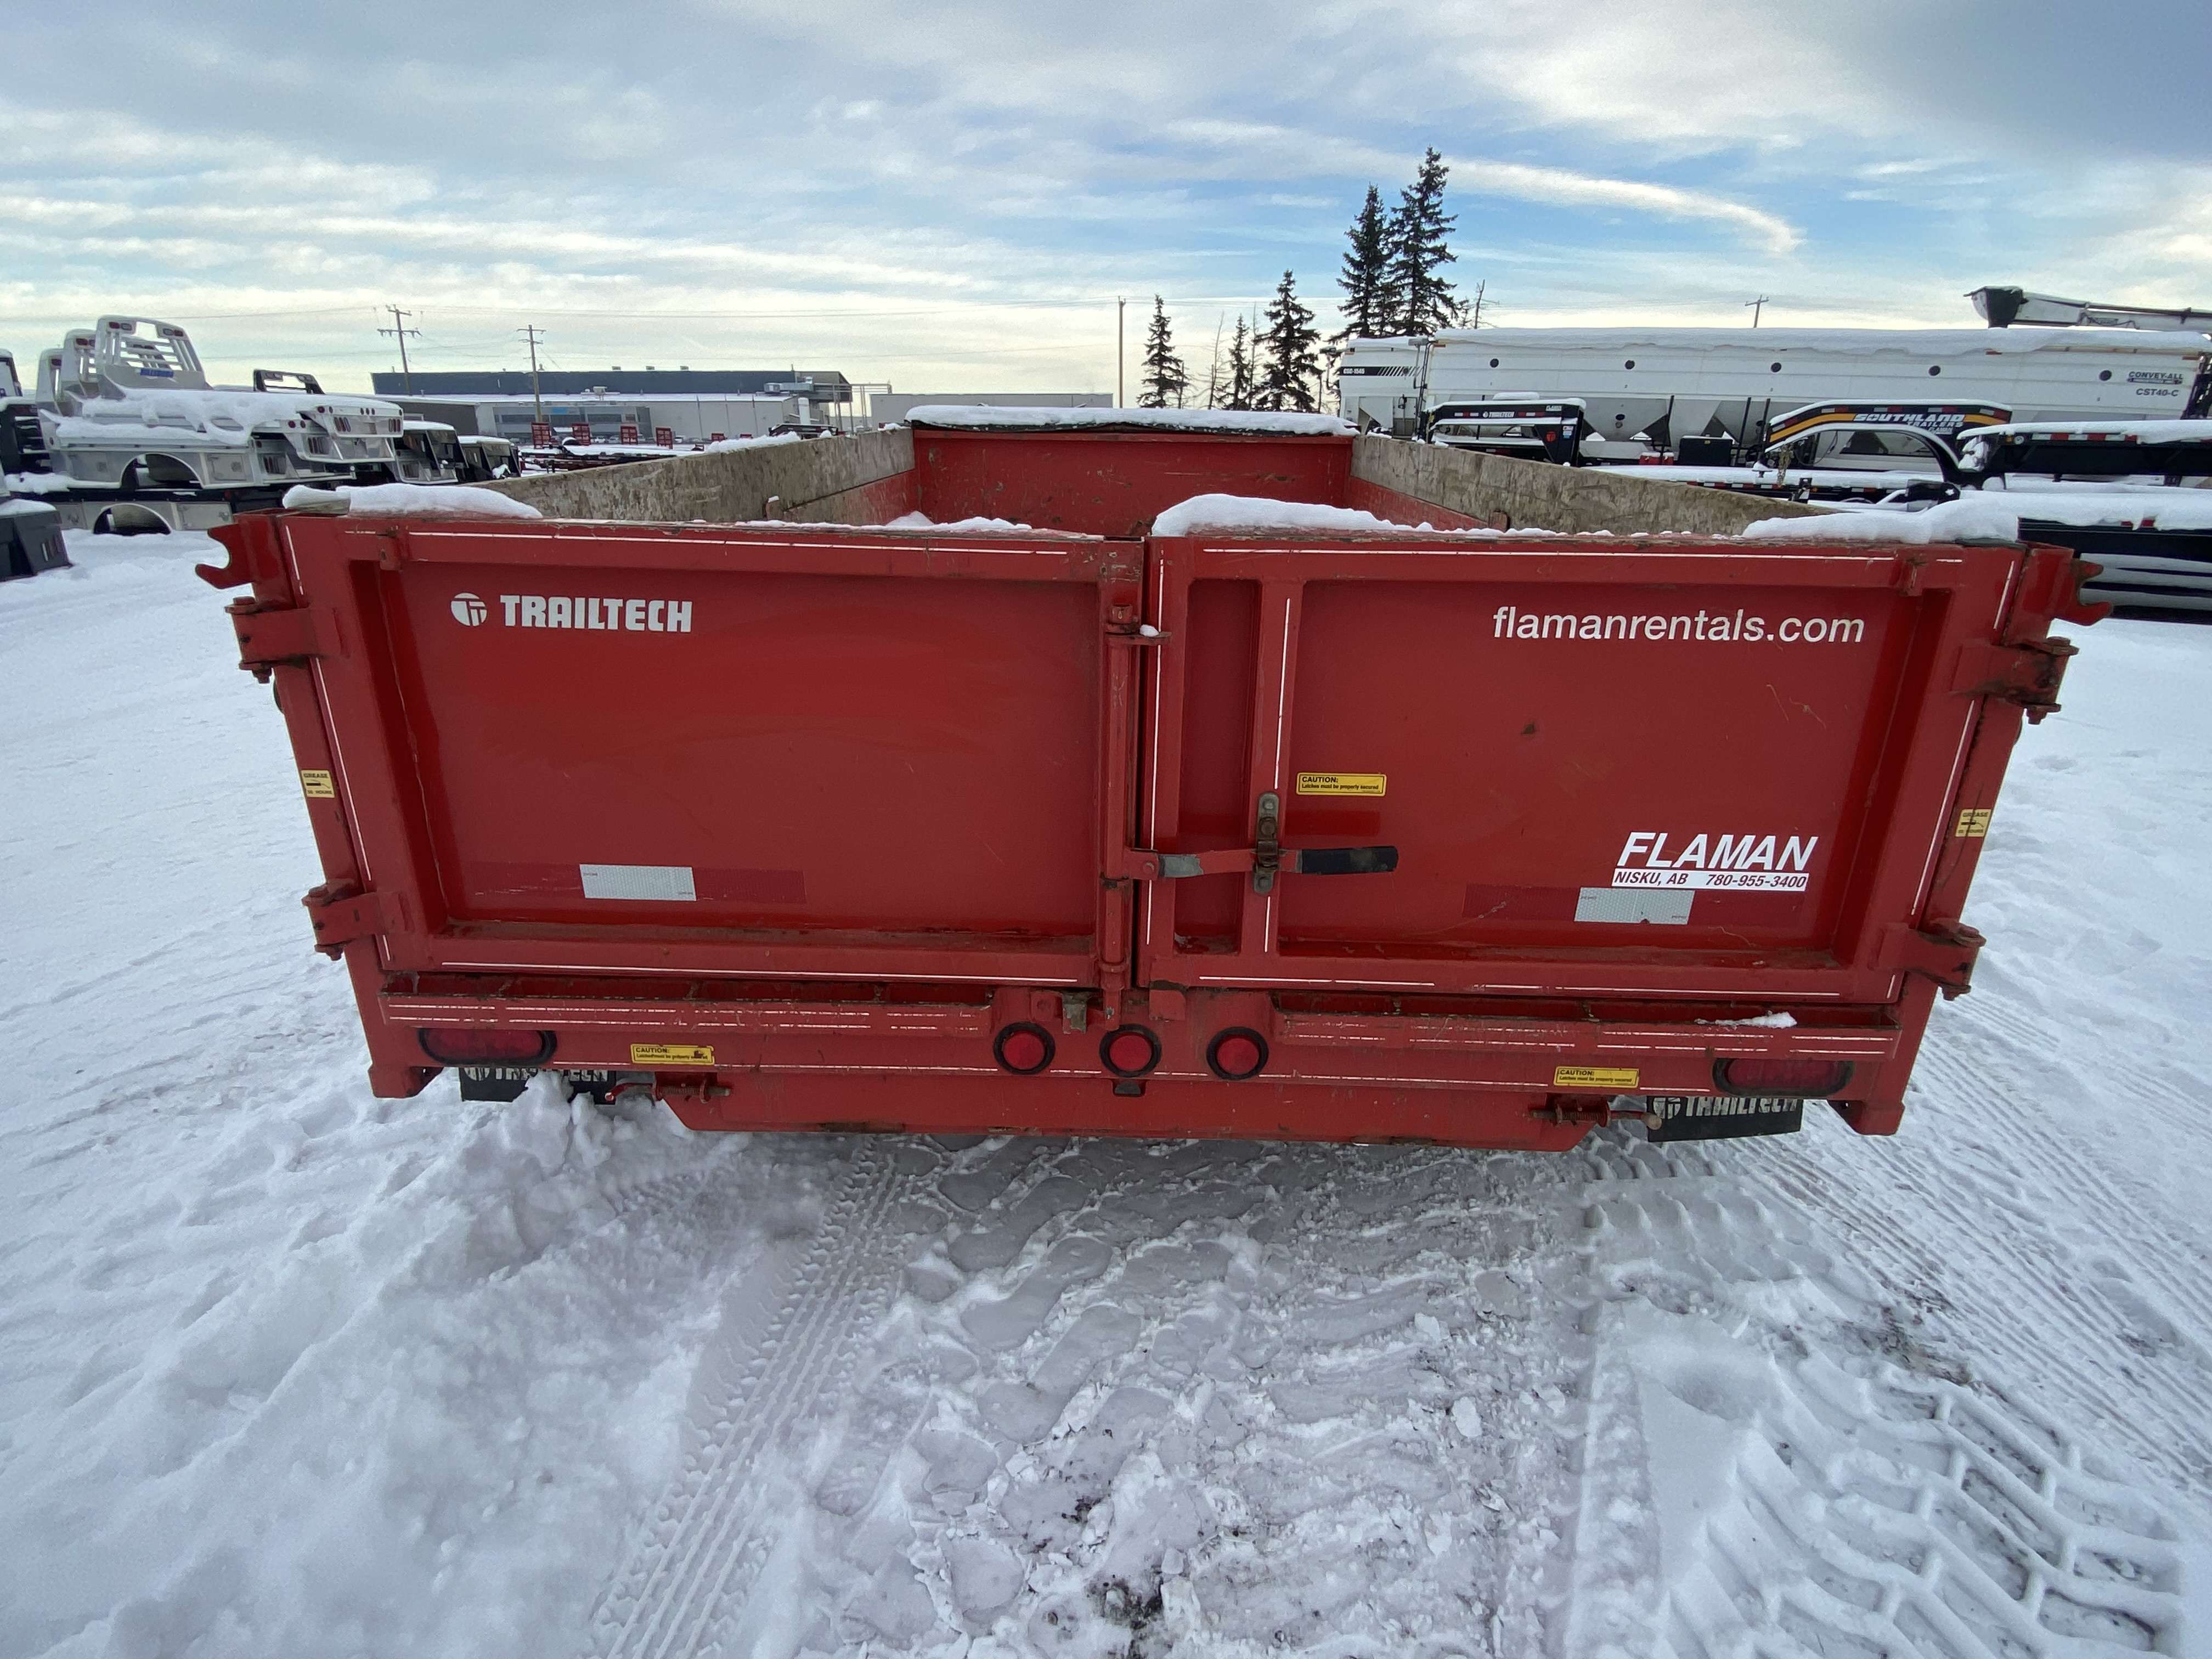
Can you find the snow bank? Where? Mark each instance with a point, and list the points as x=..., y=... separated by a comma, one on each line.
x=1015, y=418
x=730, y=445
x=407, y=501
x=1971, y=518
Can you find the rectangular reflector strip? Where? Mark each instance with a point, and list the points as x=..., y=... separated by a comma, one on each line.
x=1667, y=905
x=638, y=881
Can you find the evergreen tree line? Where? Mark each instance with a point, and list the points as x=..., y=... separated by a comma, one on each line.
x=1393, y=284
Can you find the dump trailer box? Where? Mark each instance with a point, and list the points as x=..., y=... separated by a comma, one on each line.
x=1447, y=836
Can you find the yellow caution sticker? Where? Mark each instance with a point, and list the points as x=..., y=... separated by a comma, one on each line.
x=1593, y=1077
x=1974, y=822
x=1342, y=783
x=671, y=1054
x=318, y=786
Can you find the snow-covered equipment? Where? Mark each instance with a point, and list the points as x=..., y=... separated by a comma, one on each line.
x=1669, y=383
x=484, y=458
x=1208, y=774
x=137, y=440
x=429, y=453
x=1528, y=431
x=30, y=538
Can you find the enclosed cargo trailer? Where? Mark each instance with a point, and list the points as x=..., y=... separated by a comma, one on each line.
x=1449, y=835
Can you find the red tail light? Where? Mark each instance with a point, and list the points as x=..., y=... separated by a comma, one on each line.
x=1809, y=1079
x=1130, y=1051
x=1237, y=1053
x=484, y=1045
x=1023, y=1049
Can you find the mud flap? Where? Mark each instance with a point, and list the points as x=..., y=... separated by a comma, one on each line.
x=507, y=1082
x=1720, y=1117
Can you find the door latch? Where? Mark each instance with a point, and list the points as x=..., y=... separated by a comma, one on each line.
x=1267, y=858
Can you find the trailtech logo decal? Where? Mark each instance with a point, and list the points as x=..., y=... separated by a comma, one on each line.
x=587, y=611
x=1744, y=860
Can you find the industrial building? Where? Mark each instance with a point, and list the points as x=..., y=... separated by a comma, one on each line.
x=692, y=405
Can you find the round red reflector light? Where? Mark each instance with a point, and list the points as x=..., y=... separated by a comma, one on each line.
x=1130, y=1051
x=1237, y=1053
x=484, y=1045
x=1023, y=1049
x=1804, y=1079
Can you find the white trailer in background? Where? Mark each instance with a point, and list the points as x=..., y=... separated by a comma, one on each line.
x=1671, y=383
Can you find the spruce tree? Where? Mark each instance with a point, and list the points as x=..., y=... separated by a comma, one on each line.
x=1422, y=300
x=1166, y=377
x=1292, y=370
x=1242, y=381
x=1364, y=276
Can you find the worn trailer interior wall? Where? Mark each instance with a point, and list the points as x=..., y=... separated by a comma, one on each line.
x=1090, y=482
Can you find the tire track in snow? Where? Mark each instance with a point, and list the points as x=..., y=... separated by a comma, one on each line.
x=1824, y=1484
x=777, y=1358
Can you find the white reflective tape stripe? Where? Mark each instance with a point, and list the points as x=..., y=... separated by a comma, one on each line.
x=638, y=881
x=1667, y=905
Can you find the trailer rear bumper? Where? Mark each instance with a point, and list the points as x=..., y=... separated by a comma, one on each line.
x=1238, y=1065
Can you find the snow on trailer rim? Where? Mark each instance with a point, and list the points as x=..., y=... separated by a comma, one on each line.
x=1236, y=421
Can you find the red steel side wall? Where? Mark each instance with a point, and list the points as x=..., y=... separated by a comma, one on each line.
x=1115, y=483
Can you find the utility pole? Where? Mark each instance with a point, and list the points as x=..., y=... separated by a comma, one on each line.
x=1120, y=310
x=400, y=331
x=1754, y=306
x=531, y=332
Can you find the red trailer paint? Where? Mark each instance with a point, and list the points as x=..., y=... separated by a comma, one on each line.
x=1314, y=836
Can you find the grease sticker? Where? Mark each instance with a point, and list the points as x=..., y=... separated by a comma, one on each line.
x=317, y=786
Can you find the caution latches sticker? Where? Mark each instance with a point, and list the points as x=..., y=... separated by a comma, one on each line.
x=671, y=1054
x=1593, y=1077
x=1342, y=783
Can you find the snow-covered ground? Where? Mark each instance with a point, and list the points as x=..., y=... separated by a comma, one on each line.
x=288, y=1370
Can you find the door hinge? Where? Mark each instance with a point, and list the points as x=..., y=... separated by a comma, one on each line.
x=1943, y=952
x=281, y=635
x=341, y=913
x=2027, y=674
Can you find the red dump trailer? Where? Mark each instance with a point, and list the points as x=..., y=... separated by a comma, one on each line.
x=1269, y=833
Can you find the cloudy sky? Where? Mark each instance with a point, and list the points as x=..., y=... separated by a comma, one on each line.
x=949, y=197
